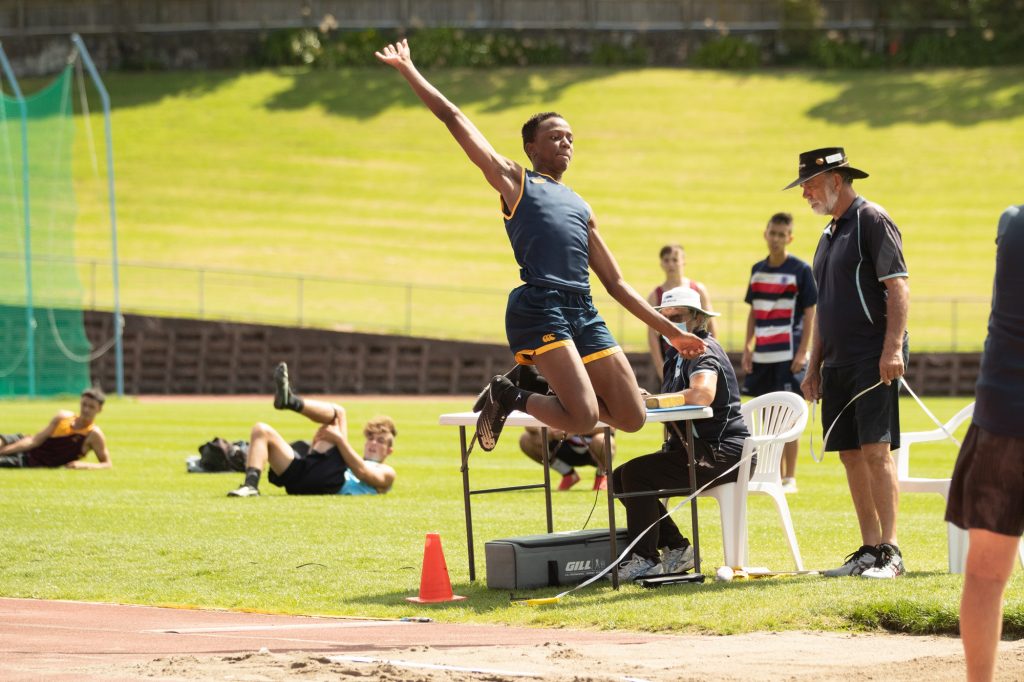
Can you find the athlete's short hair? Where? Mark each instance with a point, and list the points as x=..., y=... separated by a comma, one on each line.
x=95, y=393
x=530, y=127
x=669, y=248
x=380, y=425
x=781, y=218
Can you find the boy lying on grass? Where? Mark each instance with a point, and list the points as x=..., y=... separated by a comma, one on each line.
x=328, y=465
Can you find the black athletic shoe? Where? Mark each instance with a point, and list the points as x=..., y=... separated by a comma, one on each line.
x=525, y=377
x=282, y=389
x=494, y=413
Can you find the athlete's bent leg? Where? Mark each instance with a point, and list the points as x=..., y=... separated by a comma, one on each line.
x=574, y=407
x=618, y=394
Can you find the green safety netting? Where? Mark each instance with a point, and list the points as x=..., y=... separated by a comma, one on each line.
x=61, y=349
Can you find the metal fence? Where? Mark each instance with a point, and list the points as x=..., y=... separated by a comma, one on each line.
x=41, y=17
x=393, y=307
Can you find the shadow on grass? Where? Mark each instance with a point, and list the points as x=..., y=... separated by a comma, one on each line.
x=366, y=92
x=963, y=98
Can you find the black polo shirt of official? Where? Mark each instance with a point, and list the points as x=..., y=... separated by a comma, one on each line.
x=856, y=255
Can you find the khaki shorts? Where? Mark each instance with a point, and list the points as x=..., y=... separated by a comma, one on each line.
x=987, y=490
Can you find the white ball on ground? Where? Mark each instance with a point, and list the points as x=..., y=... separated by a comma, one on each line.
x=724, y=574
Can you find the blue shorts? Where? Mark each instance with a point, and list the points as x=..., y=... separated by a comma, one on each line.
x=539, y=319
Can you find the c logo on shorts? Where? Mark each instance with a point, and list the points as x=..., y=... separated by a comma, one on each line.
x=548, y=338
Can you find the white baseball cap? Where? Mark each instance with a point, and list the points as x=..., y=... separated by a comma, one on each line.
x=683, y=297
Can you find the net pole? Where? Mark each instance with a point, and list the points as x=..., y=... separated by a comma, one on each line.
x=105, y=98
x=30, y=349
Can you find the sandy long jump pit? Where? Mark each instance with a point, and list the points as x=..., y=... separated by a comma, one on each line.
x=62, y=640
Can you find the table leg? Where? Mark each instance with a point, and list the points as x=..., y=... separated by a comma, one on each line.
x=465, y=499
x=693, y=502
x=612, y=533
x=547, y=479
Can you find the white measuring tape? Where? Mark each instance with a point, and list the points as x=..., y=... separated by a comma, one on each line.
x=824, y=442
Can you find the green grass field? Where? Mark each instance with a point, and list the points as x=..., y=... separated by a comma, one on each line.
x=343, y=174
x=146, y=532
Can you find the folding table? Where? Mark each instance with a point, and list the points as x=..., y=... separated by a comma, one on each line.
x=684, y=413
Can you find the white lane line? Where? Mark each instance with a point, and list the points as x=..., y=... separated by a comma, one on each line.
x=255, y=628
x=452, y=668
x=430, y=666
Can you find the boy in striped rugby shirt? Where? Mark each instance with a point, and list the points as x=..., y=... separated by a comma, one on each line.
x=782, y=297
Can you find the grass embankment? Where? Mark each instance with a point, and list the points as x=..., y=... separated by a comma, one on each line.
x=344, y=174
x=146, y=532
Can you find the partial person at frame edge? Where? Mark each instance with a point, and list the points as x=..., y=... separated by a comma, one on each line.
x=986, y=494
x=327, y=464
x=65, y=441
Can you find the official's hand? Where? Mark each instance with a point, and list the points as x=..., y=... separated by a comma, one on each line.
x=396, y=54
x=747, y=363
x=688, y=345
x=811, y=385
x=890, y=367
x=799, y=362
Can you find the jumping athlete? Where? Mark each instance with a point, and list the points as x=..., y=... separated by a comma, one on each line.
x=550, y=320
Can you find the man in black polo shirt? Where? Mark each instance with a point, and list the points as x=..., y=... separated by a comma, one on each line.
x=859, y=350
x=986, y=495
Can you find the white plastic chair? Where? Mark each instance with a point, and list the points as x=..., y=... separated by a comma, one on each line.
x=956, y=538
x=773, y=420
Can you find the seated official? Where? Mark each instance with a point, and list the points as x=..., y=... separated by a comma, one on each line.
x=707, y=380
x=64, y=442
x=327, y=465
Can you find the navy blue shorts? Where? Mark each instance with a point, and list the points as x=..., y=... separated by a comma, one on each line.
x=872, y=418
x=768, y=377
x=311, y=473
x=538, y=319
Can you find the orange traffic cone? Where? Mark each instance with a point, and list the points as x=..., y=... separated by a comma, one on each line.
x=435, y=585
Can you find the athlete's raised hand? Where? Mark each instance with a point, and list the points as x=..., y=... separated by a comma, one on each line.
x=396, y=54
x=689, y=345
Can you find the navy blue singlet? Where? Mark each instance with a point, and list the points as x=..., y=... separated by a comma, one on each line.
x=548, y=228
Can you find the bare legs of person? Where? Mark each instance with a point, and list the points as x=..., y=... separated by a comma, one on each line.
x=604, y=388
x=871, y=476
x=788, y=468
x=990, y=560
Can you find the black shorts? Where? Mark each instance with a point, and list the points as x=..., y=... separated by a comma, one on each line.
x=872, y=418
x=987, y=490
x=772, y=376
x=574, y=451
x=312, y=473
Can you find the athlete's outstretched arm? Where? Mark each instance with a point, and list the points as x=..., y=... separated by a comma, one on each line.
x=607, y=270
x=502, y=173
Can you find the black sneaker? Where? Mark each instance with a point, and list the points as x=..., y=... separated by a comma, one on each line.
x=526, y=377
x=888, y=565
x=282, y=389
x=494, y=412
x=856, y=563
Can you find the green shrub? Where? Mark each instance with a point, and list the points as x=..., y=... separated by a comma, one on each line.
x=832, y=52
x=727, y=52
x=616, y=54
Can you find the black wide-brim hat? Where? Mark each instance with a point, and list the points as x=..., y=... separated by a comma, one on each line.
x=818, y=161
